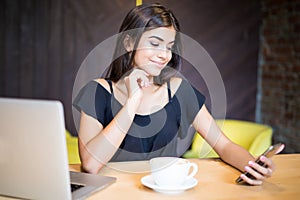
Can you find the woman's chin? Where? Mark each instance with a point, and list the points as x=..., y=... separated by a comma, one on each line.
x=154, y=72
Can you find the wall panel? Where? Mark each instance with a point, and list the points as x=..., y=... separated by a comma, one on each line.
x=43, y=43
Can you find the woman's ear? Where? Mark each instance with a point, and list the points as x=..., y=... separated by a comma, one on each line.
x=128, y=43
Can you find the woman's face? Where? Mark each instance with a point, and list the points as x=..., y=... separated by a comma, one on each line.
x=154, y=50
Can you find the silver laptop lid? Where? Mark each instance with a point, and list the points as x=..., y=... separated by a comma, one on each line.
x=33, y=154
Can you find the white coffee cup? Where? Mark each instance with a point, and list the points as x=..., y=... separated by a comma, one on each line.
x=172, y=171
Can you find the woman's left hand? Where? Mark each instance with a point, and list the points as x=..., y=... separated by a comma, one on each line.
x=258, y=172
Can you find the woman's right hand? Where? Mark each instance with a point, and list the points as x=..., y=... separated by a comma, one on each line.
x=135, y=82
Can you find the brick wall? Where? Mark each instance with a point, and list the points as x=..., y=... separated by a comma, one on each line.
x=279, y=71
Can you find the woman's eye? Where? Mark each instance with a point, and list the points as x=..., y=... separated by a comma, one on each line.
x=170, y=48
x=154, y=44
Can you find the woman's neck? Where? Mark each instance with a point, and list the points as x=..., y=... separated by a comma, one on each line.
x=121, y=87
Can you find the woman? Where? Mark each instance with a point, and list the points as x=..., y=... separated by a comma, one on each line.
x=141, y=110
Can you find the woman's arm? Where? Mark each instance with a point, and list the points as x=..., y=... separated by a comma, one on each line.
x=97, y=145
x=228, y=151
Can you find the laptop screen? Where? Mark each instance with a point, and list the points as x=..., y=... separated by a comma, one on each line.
x=33, y=155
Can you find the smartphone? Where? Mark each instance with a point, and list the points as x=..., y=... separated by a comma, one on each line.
x=272, y=150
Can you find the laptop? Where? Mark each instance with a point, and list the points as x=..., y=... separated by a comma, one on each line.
x=33, y=153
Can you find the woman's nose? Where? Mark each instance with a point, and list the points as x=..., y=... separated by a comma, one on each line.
x=163, y=53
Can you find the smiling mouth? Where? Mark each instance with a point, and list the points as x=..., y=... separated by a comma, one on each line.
x=159, y=64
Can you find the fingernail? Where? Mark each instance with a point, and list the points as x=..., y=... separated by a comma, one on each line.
x=263, y=158
x=247, y=168
x=251, y=163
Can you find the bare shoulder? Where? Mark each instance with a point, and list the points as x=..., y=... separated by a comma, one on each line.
x=103, y=83
x=174, y=84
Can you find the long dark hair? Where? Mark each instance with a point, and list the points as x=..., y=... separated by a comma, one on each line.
x=140, y=19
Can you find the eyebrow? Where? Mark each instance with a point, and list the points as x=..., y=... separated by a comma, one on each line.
x=160, y=39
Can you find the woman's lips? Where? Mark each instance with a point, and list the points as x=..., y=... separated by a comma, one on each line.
x=159, y=64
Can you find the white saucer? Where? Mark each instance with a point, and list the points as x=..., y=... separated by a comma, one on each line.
x=149, y=182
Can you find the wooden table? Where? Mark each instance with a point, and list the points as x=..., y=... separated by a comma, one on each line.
x=216, y=181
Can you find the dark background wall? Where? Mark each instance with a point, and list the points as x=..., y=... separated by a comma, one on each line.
x=279, y=74
x=44, y=42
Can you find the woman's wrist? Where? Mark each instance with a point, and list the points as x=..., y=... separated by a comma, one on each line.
x=132, y=105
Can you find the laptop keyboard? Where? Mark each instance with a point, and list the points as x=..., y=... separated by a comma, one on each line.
x=75, y=187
